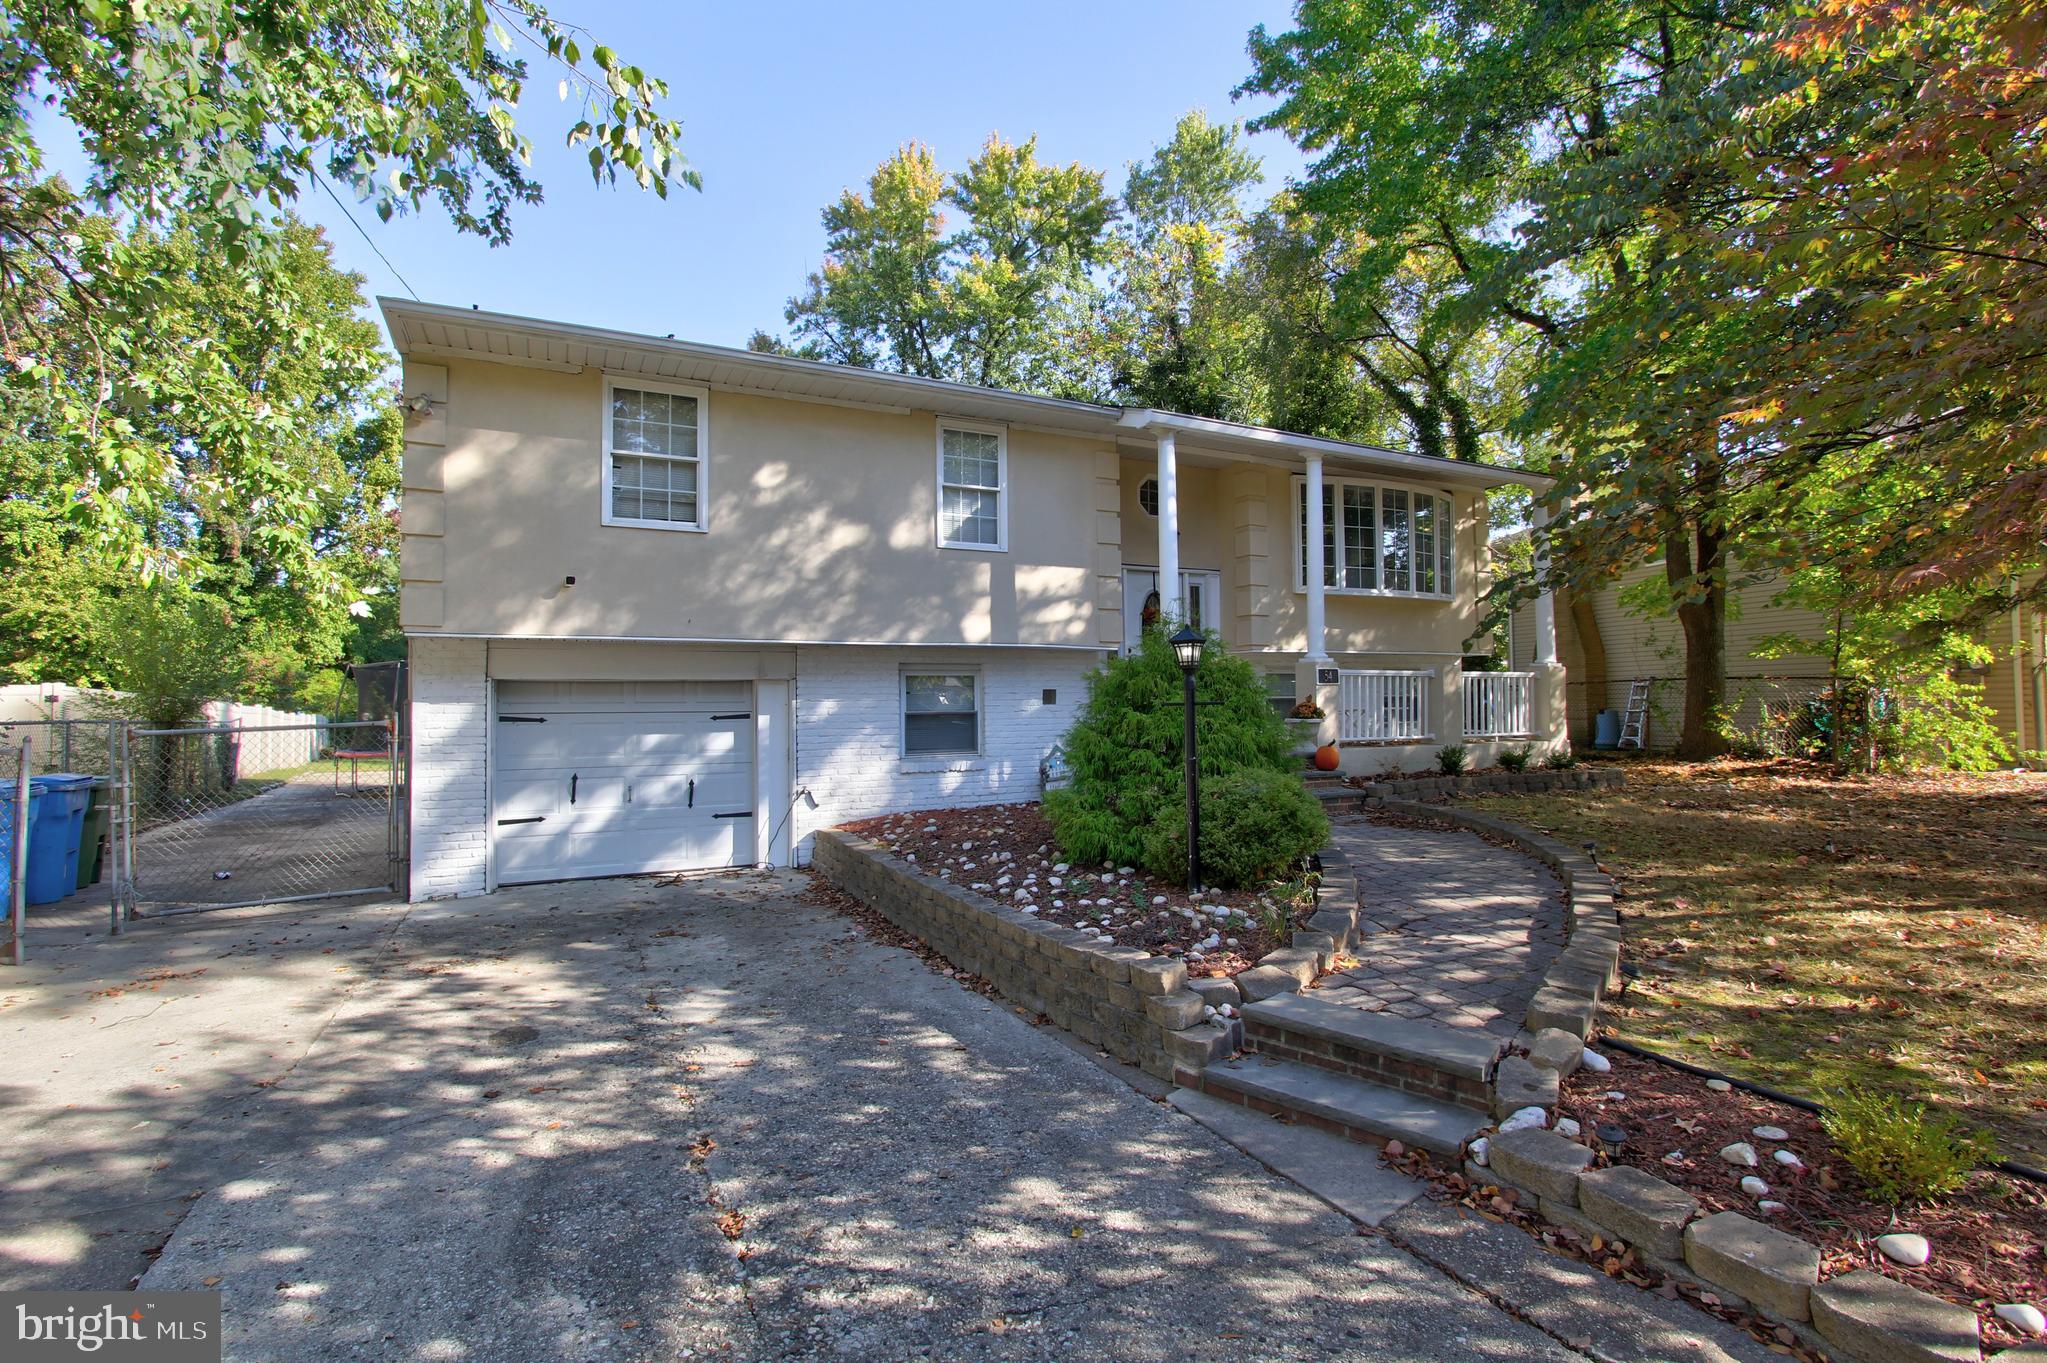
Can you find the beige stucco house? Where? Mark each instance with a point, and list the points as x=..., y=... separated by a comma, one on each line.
x=673, y=605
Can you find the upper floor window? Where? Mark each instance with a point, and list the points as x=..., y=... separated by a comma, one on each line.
x=973, y=492
x=1378, y=540
x=654, y=446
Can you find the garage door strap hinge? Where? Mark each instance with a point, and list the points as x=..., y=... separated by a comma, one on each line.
x=537, y=818
x=742, y=715
x=522, y=719
x=736, y=814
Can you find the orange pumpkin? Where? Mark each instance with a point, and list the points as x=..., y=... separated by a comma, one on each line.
x=1327, y=758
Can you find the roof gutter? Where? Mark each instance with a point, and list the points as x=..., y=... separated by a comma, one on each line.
x=1289, y=442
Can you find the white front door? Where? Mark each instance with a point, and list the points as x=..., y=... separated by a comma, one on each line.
x=620, y=778
x=1202, y=591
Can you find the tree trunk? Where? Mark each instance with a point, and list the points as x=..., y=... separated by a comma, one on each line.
x=1591, y=649
x=1691, y=564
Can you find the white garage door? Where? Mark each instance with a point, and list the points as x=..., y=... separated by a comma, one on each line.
x=620, y=778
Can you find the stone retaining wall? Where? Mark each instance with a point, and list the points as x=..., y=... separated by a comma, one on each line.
x=1490, y=783
x=1136, y=1006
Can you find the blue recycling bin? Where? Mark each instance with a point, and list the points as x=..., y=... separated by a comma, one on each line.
x=1606, y=729
x=54, y=835
x=35, y=800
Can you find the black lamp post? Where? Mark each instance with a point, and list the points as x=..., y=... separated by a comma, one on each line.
x=1187, y=647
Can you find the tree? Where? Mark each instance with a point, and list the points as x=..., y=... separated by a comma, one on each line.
x=983, y=304
x=211, y=116
x=1771, y=252
x=285, y=356
x=1493, y=142
x=1172, y=335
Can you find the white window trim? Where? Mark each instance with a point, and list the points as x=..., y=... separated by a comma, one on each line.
x=702, y=524
x=1001, y=434
x=943, y=759
x=1297, y=504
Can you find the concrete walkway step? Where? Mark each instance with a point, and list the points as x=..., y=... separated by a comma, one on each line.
x=1448, y=1064
x=1348, y=1106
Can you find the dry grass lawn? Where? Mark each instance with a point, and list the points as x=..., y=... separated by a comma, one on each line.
x=1816, y=935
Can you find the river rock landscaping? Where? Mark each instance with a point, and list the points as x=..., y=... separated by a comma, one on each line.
x=1007, y=852
x=1986, y=1244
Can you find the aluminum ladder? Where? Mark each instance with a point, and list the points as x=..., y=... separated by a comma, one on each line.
x=1635, y=719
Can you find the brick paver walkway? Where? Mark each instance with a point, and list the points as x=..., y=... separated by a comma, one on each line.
x=1458, y=931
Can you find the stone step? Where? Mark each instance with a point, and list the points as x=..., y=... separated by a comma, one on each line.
x=1448, y=1064
x=1337, y=1102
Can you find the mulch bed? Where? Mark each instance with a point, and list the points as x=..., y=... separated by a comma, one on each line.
x=1989, y=1239
x=1007, y=853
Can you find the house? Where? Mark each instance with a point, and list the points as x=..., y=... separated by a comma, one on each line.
x=674, y=606
x=1631, y=644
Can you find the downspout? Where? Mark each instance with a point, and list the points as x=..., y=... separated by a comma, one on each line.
x=2039, y=671
x=2018, y=679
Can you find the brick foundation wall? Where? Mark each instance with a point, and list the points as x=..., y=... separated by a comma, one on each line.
x=450, y=793
x=848, y=730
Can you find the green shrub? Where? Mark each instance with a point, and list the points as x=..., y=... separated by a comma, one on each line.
x=1563, y=759
x=1256, y=824
x=1125, y=748
x=1940, y=722
x=1452, y=758
x=1516, y=759
x=1901, y=1151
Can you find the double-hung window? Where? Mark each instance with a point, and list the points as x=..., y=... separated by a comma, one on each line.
x=1376, y=540
x=941, y=714
x=973, y=494
x=654, y=448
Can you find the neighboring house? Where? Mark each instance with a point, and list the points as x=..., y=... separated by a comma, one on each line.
x=1652, y=646
x=673, y=606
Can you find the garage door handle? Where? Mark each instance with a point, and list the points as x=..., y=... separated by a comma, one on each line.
x=537, y=818
x=692, y=792
x=574, y=777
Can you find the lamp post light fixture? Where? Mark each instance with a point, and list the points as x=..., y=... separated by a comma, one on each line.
x=1188, y=645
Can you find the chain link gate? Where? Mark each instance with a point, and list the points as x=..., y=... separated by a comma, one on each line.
x=230, y=816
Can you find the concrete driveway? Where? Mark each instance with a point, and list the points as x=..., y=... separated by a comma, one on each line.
x=635, y=1120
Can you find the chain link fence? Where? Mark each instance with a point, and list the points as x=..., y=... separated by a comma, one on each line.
x=1774, y=716
x=82, y=746
x=231, y=815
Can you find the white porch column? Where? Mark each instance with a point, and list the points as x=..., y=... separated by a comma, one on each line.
x=1169, y=529
x=1318, y=630
x=1545, y=602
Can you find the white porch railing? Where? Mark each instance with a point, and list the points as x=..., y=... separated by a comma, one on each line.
x=1499, y=704
x=1384, y=706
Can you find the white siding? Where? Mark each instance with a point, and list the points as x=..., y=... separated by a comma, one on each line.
x=849, y=731
x=450, y=777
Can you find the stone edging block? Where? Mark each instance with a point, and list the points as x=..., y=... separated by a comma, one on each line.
x=1886, y=1321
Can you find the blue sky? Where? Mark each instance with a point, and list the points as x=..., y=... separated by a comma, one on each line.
x=783, y=107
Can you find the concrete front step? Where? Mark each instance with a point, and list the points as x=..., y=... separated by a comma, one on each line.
x=1447, y=1064
x=1338, y=1102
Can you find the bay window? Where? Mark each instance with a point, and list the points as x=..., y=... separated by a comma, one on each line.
x=1377, y=540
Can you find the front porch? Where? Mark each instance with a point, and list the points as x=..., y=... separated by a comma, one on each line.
x=1369, y=618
